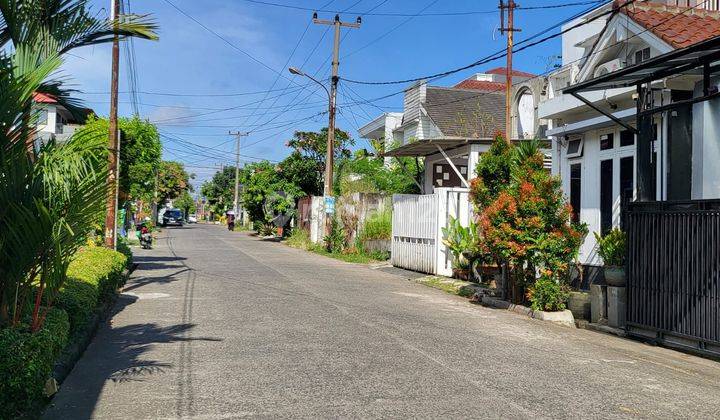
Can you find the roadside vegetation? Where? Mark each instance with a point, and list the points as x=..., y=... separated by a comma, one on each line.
x=523, y=224
x=52, y=196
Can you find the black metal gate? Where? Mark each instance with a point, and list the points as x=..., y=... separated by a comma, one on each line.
x=673, y=288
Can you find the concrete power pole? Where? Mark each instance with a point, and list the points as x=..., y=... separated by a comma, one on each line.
x=114, y=143
x=330, y=154
x=508, y=28
x=236, y=202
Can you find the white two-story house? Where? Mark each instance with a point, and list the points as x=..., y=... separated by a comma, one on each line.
x=593, y=133
x=54, y=120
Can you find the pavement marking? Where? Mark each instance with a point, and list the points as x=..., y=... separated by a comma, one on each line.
x=142, y=296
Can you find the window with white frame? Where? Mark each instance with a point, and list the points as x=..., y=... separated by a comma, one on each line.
x=617, y=176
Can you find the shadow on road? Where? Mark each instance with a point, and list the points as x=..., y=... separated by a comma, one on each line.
x=116, y=357
x=139, y=282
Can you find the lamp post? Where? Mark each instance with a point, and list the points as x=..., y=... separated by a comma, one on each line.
x=329, y=154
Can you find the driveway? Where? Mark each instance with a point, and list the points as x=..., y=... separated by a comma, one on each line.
x=217, y=324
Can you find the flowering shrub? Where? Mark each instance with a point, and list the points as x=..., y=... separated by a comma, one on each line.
x=525, y=222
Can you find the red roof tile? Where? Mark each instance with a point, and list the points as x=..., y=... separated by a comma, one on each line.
x=678, y=26
x=503, y=70
x=481, y=85
x=43, y=98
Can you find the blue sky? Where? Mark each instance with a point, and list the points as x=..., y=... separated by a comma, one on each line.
x=189, y=60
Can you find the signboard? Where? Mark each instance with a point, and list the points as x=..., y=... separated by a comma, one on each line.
x=329, y=205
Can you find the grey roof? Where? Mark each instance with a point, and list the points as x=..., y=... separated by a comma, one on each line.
x=466, y=113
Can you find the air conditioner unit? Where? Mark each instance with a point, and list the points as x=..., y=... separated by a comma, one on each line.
x=609, y=67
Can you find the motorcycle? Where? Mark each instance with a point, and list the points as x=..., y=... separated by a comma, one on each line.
x=145, y=238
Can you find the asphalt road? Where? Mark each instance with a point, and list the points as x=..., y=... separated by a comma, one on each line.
x=217, y=324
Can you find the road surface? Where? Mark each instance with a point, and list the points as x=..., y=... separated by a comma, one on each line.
x=217, y=324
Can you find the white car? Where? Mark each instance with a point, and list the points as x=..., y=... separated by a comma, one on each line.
x=192, y=218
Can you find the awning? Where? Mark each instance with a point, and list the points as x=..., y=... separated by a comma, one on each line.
x=687, y=60
x=430, y=146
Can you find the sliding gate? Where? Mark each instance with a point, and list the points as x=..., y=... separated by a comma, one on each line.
x=673, y=266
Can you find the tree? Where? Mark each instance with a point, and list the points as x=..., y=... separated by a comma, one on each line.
x=305, y=167
x=50, y=196
x=260, y=180
x=141, y=152
x=220, y=190
x=172, y=181
x=369, y=173
x=185, y=203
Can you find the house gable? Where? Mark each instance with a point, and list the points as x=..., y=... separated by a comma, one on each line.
x=616, y=46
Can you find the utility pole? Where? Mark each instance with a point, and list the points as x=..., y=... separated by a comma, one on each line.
x=508, y=28
x=114, y=143
x=330, y=154
x=236, y=202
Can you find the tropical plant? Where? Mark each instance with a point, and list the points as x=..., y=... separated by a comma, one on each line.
x=335, y=241
x=463, y=242
x=612, y=247
x=50, y=194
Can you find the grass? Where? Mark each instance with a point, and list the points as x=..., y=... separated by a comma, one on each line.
x=300, y=239
x=378, y=226
x=452, y=286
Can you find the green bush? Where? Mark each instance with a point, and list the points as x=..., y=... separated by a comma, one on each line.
x=548, y=295
x=26, y=362
x=93, y=277
x=377, y=226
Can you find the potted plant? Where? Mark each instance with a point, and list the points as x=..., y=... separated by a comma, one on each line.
x=611, y=248
x=462, y=242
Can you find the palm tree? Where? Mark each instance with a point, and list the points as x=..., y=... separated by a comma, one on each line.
x=49, y=197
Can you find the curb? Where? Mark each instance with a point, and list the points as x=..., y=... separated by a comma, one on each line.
x=585, y=325
x=562, y=318
x=74, y=351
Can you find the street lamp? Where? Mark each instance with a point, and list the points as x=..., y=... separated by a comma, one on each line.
x=329, y=155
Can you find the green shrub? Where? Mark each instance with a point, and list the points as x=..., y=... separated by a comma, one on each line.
x=93, y=277
x=547, y=294
x=611, y=247
x=26, y=362
x=377, y=226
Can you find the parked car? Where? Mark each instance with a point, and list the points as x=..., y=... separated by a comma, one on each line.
x=172, y=217
x=192, y=218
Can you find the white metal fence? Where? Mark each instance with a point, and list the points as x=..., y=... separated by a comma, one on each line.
x=414, y=232
x=417, y=229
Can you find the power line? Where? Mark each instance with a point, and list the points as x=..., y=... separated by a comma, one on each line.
x=497, y=55
x=225, y=40
x=432, y=14
x=595, y=52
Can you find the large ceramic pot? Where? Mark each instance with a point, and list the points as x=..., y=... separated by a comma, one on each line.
x=615, y=276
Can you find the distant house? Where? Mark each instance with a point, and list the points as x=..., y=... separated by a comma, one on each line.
x=595, y=147
x=54, y=120
x=450, y=126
